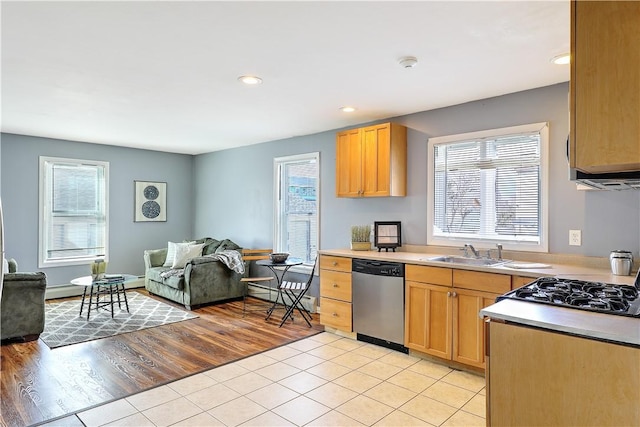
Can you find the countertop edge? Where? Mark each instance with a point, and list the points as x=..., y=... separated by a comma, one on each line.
x=612, y=328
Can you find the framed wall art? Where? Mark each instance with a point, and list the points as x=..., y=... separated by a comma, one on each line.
x=387, y=235
x=150, y=201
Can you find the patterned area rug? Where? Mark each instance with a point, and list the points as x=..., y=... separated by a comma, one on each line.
x=64, y=326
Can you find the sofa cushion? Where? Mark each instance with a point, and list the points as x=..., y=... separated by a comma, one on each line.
x=173, y=281
x=171, y=252
x=185, y=253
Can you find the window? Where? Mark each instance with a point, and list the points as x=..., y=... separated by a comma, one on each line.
x=297, y=205
x=73, y=211
x=490, y=187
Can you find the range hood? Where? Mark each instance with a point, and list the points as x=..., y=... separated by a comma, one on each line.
x=607, y=181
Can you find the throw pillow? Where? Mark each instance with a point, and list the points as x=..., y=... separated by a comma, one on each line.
x=171, y=252
x=184, y=253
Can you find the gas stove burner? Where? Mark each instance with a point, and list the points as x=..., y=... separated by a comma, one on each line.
x=594, y=296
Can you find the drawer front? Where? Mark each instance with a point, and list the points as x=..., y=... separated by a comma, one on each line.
x=336, y=314
x=335, y=263
x=481, y=281
x=335, y=284
x=426, y=274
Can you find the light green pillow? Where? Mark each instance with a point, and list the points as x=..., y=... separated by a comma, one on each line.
x=184, y=253
x=171, y=252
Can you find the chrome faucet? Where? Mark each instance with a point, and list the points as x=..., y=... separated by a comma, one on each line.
x=499, y=246
x=475, y=252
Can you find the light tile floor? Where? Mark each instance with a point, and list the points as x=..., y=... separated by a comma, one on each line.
x=324, y=380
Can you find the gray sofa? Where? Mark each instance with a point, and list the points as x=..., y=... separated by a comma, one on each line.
x=205, y=280
x=22, y=307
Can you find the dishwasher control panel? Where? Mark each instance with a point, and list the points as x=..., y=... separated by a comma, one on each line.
x=377, y=268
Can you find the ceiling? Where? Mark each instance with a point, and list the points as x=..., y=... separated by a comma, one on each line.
x=163, y=75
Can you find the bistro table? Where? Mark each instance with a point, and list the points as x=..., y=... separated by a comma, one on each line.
x=108, y=287
x=283, y=267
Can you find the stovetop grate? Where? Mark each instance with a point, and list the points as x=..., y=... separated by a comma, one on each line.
x=623, y=300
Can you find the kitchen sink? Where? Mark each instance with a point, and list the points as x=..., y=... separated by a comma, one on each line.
x=486, y=262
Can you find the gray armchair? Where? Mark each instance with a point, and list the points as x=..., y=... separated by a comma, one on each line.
x=22, y=306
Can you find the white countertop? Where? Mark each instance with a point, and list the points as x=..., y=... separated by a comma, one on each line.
x=608, y=327
x=560, y=270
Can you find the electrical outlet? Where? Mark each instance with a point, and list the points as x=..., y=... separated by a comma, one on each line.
x=575, y=238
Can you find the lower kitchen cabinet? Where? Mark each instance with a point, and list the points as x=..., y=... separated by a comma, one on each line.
x=442, y=319
x=336, y=293
x=428, y=318
x=545, y=378
x=468, y=327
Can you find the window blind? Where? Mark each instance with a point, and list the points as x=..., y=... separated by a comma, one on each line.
x=488, y=188
x=74, y=211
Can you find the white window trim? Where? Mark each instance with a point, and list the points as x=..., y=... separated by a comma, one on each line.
x=42, y=221
x=305, y=268
x=543, y=246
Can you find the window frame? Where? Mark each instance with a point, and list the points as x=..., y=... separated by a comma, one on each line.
x=278, y=244
x=44, y=209
x=543, y=245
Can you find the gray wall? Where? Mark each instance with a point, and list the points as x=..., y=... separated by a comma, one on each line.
x=127, y=240
x=229, y=194
x=241, y=207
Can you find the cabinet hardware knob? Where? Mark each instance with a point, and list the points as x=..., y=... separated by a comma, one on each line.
x=448, y=294
x=335, y=314
x=335, y=285
x=335, y=263
x=455, y=294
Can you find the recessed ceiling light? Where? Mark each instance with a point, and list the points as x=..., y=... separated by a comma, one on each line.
x=347, y=109
x=250, y=80
x=563, y=59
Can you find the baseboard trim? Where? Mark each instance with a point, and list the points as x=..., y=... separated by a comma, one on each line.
x=65, y=291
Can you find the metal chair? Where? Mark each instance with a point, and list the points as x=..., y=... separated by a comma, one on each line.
x=254, y=255
x=296, y=291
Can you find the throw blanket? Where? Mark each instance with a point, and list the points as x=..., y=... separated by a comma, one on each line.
x=232, y=259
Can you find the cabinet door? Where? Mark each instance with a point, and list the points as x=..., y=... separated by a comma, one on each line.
x=428, y=319
x=348, y=163
x=468, y=327
x=605, y=86
x=376, y=156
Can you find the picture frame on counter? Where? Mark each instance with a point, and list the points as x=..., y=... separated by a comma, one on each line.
x=387, y=235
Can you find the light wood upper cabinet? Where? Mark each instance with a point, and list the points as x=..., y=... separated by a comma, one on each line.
x=605, y=86
x=372, y=161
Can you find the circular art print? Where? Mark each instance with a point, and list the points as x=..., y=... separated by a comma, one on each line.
x=150, y=201
x=151, y=192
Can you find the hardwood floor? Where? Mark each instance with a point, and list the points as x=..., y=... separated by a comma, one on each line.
x=39, y=384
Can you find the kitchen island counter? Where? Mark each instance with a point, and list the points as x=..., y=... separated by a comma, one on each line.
x=601, y=326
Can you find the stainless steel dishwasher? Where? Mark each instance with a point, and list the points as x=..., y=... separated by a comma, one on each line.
x=378, y=302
